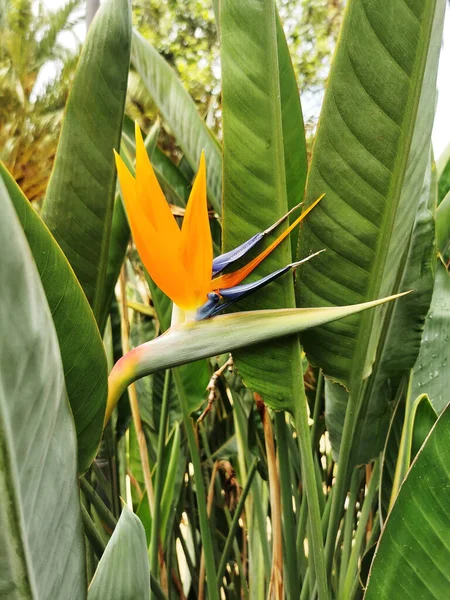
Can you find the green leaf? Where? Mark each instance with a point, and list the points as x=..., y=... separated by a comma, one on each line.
x=254, y=187
x=294, y=142
x=431, y=372
x=123, y=571
x=413, y=554
x=79, y=203
x=443, y=169
x=410, y=425
x=180, y=113
x=370, y=158
x=201, y=339
x=174, y=471
x=402, y=335
x=41, y=537
x=82, y=351
x=443, y=229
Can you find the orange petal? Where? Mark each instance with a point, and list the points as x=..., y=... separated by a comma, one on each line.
x=149, y=195
x=163, y=265
x=160, y=258
x=232, y=279
x=126, y=180
x=196, y=243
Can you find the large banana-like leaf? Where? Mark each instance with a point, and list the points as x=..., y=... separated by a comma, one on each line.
x=254, y=187
x=179, y=111
x=79, y=203
x=413, y=554
x=431, y=371
x=410, y=425
x=372, y=170
x=443, y=229
x=201, y=339
x=402, y=333
x=294, y=142
x=123, y=571
x=443, y=169
x=81, y=346
x=41, y=535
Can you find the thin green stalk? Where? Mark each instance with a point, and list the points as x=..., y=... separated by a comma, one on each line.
x=325, y=518
x=352, y=570
x=211, y=575
x=348, y=527
x=254, y=509
x=317, y=408
x=102, y=481
x=319, y=482
x=310, y=486
x=340, y=487
x=102, y=510
x=306, y=584
x=192, y=516
x=159, y=477
x=235, y=522
x=91, y=532
x=301, y=533
x=237, y=551
x=156, y=590
x=404, y=450
x=290, y=554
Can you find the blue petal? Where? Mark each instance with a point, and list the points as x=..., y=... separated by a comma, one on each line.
x=209, y=308
x=222, y=261
x=225, y=297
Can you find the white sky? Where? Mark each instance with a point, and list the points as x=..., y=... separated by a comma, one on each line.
x=441, y=130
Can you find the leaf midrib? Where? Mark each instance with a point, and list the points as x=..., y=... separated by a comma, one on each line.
x=364, y=336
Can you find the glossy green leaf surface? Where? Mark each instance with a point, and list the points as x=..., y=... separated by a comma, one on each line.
x=413, y=554
x=370, y=157
x=443, y=169
x=79, y=203
x=402, y=333
x=179, y=111
x=123, y=572
x=431, y=372
x=443, y=229
x=254, y=170
x=410, y=425
x=82, y=351
x=294, y=142
x=201, y=339
x=42, y=551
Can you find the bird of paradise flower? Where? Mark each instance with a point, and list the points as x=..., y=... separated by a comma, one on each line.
x=180, y=261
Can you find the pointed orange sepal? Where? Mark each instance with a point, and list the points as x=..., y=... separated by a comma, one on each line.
x=196, y=250
x=158, y=242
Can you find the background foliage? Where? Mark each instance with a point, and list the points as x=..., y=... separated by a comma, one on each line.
x=225, y=496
